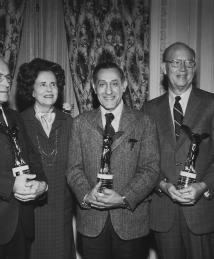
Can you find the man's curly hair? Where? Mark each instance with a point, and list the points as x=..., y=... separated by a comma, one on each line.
x=27, y=75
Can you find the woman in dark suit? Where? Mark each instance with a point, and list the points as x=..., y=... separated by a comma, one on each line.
x=40, y=85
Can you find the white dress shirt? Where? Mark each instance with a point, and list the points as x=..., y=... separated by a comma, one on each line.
x=117, y=115
x=183, y=101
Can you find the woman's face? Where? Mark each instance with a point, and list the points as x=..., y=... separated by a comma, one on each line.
x=45, y=90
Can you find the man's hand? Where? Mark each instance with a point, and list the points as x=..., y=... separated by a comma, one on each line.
x=91, y=198
x=26, y=189
x=193, y=192
x=110, y=198
x=105, y=199
x=173, y=193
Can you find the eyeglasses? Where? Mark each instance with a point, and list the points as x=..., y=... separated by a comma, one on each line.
x=176, y=63
x=7, y=77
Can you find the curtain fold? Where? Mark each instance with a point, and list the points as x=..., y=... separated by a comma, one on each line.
x=108, y=30
x=11, y=22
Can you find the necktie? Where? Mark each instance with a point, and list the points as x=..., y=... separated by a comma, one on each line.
x=178, y=116
x=109, y=130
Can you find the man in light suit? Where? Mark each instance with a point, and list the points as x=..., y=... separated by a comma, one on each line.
x=16, y=192
x=114, y=223
x=183, y=220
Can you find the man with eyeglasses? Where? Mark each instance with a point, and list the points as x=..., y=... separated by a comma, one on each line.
x=112, y=221
x=182, y=220
x=17, y=188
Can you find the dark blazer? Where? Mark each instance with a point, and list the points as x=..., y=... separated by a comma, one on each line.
x=134, y=164
x=199, y=117
x=53, y=216
x=10, y=208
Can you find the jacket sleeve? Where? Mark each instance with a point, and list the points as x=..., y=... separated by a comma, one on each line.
x=75, y=175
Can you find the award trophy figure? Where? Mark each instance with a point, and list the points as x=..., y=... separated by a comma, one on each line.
x=20, y=166
x=105, y=175
x=188, y=174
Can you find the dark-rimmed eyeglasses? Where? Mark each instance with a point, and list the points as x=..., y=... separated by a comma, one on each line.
x=176, y=63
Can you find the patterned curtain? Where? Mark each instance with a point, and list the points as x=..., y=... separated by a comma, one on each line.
x=116, y=30
x=11, y=21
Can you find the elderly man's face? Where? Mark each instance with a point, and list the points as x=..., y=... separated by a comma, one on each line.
x=5, y=82
x=179, y=68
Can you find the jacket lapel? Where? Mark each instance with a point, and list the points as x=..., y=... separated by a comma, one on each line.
x=58, y=120
x=9, y=117
x=93, y=118
x=29, y=115
x=125, y=127
x=165, y=120
x=192, y=114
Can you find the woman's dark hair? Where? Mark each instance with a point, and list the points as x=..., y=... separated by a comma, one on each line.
x=27, y=75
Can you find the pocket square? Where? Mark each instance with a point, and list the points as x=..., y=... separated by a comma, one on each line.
x=132, y=142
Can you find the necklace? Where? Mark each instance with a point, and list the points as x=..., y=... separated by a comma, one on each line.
x=48, y=158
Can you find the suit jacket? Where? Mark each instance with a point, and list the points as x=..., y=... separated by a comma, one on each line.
x=199, y=117
x=53, y=215
x=135, y=166
x=10, y=208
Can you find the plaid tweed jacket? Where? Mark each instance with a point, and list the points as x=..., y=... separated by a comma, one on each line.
x=135, y=166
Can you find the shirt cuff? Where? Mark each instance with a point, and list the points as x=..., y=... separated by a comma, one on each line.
x=84, y=204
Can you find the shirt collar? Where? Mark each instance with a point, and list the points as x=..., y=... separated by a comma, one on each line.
x=37, y=110
x=184, y=98
x=116, y=112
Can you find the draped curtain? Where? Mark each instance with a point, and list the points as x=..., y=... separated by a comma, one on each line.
x=115, y=30
x=11, y=21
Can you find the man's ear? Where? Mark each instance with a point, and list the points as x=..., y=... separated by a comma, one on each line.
x=124, y=85
x=163, y=68
x=94, y=87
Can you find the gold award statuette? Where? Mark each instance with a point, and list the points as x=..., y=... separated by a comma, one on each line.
x=188, y=174
x=105, y=175
x=20, y=166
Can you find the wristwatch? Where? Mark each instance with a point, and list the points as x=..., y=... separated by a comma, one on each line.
x=159, y=191
x=125, y=203
x=207, y=194
x=84, y=204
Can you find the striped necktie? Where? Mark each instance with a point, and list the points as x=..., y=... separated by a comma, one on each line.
x=178, y=116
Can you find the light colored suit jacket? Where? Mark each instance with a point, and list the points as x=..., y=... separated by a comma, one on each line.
x=199, y=117
x=135, y=166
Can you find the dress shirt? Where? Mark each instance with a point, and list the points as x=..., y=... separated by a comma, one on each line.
x=46, y=119
x=183, y=101
x=117, y=114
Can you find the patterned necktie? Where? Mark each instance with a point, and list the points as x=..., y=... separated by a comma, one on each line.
x=178, y=116
x=109, y=130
